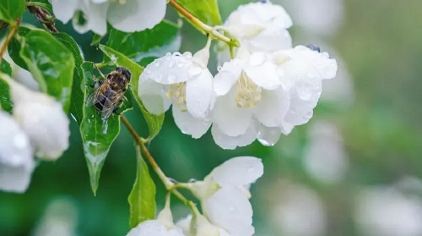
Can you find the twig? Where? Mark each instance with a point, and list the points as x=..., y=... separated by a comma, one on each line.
x=12, y=31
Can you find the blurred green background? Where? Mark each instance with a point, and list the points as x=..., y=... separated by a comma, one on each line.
x=361, y=150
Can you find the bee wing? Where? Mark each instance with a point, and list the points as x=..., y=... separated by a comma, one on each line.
x=106, y=112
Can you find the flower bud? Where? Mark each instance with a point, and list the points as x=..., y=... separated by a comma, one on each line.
x=43, y=120
x=16, y=163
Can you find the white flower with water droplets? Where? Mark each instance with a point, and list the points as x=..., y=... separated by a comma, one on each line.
x=302, y=70
x=261, y=95
x=249, y=100
x=43, y=120
x=124, y=15
x=228, y=207
x=184, y=81
x=16, y=162
x=260, y=27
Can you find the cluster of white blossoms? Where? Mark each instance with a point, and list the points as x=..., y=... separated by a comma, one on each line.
x=37, y=126
x=264, y=91
x=224, y=197
x=124, y=15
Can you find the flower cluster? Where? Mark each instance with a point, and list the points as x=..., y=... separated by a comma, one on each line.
x=38, y=126
x=124, y=15
x=224, y=196
x=264, y=91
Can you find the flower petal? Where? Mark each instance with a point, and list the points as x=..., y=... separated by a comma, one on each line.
x=16, y=178
x=64, y=10
x=190, y=125
x=227, y=77
x=238, y=171
x=15, y=148
x=262, y=72
x=153, y=95
x=172, y=68
x=269, y=136
x=272, y=108
x=200, y=95
x=231, y=120
x=154, y=228
x=136, y=15
x=231, y=142
x=271, y=40
x=231, y=210
x=94, y=18
x=36, y=119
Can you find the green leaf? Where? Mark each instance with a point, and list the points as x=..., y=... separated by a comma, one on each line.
x=151, y=43
x=154, y=122
x=142, y=197
x=5, y=67
x=50, y=62
x=14, y=47
x=10, y=10
x=97, y=135
x=76, y=106
x=5, y=101
x=205, y=10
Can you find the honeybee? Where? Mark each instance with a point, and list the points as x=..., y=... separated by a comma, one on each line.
x=110, y=91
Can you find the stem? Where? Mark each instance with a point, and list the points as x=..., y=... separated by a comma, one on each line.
x=10, y=34
x=170, y=186
x=201, y=26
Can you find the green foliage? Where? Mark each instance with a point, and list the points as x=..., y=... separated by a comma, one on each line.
x=77, y=96
x=5, y=67
x=142, y=197
x=50, y=62
x=205, y=10
x=154, y=122
x=151, y=43
x=5, y=101
x=97, y=134
x=11, y=10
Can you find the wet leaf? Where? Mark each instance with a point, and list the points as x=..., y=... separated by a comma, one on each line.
x=205, y=10
x=154, y=122
x=77, y=96
x=97, y=135
x=146, y=45
x=50, y=62
x=142, y=197
x=5, y=101
x=10, y=10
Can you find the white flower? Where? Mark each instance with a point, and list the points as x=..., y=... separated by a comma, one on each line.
x=302, y=71
x=249, y=99
x=184, y=81
x=261, y=95
x=124, y=15
x=16, y=163
x=43, y=120
x=259, y=26
x=162, y=226
x=228, y=207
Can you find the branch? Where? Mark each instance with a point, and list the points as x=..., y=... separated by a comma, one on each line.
x=201, y=26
